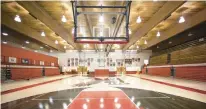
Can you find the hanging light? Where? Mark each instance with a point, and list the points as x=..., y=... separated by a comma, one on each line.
x=43, y=34
x=145, y=42
x=23, y=47
x=139, y=20
x=51, y=51
x=64, y=18
x=158, y=34
x=182, y=19
x=35, y=51
x=73, y=31
x=41, y=47
x=65, y=47
x=17, y=18
x=4, y=42
x=56, y=42
x=27, y=42
x=137, y=47
x=5, y=34
x=130, y=32
x=101, y=19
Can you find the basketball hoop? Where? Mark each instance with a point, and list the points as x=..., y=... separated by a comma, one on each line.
x=101, y=31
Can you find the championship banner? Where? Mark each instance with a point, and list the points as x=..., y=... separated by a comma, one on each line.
x=41, y=62
x=52, y=64
x=12, y=60
x=25, y=61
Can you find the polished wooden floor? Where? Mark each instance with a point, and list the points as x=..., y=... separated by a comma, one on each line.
x=128, y=98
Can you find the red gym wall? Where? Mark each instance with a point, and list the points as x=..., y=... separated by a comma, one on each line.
x=160, y=71
x=10, y=51
x=191, y=72
x=32, y=70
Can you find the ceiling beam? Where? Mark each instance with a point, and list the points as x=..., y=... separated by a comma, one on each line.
x=159, y=16
x=16, y=38
x=28, y=31
x=37, y=11
x=178, y=28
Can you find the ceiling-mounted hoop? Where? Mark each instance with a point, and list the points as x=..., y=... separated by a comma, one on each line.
x=104, y=39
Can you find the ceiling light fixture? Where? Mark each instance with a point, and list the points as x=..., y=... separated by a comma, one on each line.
x=137, y=47
x=139, y=20
x=56, y=42
x=41, y=47
x=17, y=18
x=130, y=32
x=4, y=42
x=5, y=34
x=145, y=42
x=182, y=19
x=64, y=18
x=72, y=30
x=50, y=51
x=23, y=47
x=65, y=47
x=101, y=18
x=43, y=34
x=35, y=51
x=158, y=34
x=27, y=42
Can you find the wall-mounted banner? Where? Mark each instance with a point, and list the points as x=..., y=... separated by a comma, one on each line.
x=12, y=60
x=34, y=62
x=52, y=64
x=25, y=61
x=41, y=63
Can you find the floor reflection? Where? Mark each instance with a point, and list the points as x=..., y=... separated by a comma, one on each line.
x=143, y=99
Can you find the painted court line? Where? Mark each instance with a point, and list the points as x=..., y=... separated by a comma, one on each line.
x=177, y=86
x=173, y=85
x=73, y=99
x=30, y=86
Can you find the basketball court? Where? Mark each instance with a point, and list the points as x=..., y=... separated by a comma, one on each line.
x=103, y=54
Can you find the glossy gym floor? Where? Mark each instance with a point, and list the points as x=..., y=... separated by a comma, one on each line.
x=82, y=92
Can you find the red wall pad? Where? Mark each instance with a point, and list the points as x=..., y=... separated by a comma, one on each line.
x=131, y=72
x=101, y=73
x=160, y=71
x=25, y=73
x=112, y=73
x=51, y=71
x=191, y=72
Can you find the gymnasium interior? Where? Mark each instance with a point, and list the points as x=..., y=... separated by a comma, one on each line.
x=103, y=54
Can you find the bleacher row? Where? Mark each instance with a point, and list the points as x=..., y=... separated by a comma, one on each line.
x=191, y=55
